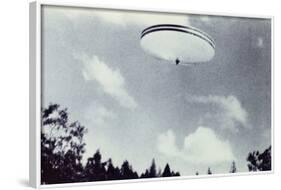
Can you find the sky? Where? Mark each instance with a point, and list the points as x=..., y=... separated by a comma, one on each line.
x=136, y=107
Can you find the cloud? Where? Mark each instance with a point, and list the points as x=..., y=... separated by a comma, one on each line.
x=166, y=144
x=99, y=115
x=121, y=18
x=201, y=147
x=230, y=110
x=111, y=80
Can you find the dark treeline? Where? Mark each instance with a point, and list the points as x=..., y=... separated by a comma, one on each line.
x=62, y=149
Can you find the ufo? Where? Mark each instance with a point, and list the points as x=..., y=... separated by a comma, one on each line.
x=177, y=44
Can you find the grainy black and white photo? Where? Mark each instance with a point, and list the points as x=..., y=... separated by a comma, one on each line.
x=136, y=94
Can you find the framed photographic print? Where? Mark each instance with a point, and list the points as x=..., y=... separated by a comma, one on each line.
x=121, y=95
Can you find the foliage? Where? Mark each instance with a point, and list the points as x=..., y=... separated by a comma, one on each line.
x=260, y=161
x=62, y=147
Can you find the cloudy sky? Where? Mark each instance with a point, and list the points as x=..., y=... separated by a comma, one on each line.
x=137, y=107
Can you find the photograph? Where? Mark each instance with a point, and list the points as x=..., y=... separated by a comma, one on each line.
x=137, y=94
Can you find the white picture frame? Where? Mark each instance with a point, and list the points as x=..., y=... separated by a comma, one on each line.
x=36, y=90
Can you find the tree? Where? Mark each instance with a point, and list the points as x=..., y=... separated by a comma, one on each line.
x=260, y=161
x=233, y=168
x=152, y=169
x=151, y=172
x=95, y=169
x=175, y=174
x=127, y=171
x=145, y=174
x=62, y=147
x=112, y=173
x=209, y=172
x=167, y=171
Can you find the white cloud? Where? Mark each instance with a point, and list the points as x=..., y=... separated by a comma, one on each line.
x=166, y=144
x=205, y=147
x=121, y=18
x=99, y=115
x=111, y=80
x=201, y=147
x=229, y=113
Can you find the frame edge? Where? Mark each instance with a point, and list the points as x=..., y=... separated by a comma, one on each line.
x=33, y=143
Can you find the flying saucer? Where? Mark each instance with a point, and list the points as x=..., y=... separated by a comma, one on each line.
x=178, y=44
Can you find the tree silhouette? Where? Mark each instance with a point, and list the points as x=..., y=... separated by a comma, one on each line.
x=151, y=172
x=152, y=169
x=127, y=171
x=167, y=171
x=260, y=161
x=95, y=169
x=175, y=173
x=112, y=173
x=209, y=172
x=62, y=147
x=233, y=168
x=145, y=174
